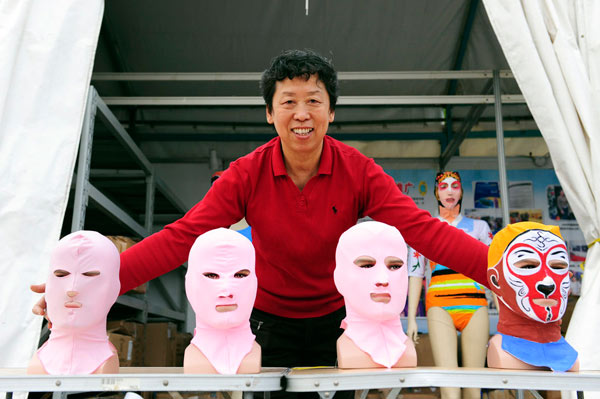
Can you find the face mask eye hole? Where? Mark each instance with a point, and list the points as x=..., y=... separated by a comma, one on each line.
x=61, y=273
x=242, y=273
x=364, y=262
x=393, y=263
x=92, y=273
x=210, y=275
x=558, y=265
x=527, y=264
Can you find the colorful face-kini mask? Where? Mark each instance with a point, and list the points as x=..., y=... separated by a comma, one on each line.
x=221, y=286
x=528, y=269
x=371, y=274
x=82, y=285
x=532, y=277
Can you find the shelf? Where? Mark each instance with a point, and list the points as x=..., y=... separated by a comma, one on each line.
x=322, y=380
x=141, y=379
x=332, y=379
x=122, y=184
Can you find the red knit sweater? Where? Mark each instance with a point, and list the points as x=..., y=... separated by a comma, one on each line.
x=295, y=232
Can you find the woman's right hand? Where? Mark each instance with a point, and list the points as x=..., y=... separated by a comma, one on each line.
x=40, y=306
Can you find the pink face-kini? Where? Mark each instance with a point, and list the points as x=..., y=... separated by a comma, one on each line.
x=221, y=286
x=82, y=285
x=528, y=269
x=372, y=276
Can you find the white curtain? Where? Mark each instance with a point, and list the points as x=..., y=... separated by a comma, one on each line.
x=47, y=53
x=553, y=49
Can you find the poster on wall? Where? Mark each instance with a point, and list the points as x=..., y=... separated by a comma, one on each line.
x=534, y=195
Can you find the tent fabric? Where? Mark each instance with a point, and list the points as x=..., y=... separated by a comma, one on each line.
x=553, y=49
x=47, y=51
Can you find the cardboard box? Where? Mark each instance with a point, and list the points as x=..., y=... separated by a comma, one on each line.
x=131, y=328
x=182, y=340
x=191, y=395
x=124, y=346
x=424, y=353
x=160, y=345
x=551, y=394
x=419, y=393
x=136, y=331
x=122, y=243
x=508, y=394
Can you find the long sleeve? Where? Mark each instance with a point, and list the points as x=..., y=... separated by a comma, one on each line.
x=169, y=248
x=436, y=240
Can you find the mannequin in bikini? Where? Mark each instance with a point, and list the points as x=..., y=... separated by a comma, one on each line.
x=454, y=302
x=83, y=284
x=371, y=274
x=528, y=269
x=221, y=284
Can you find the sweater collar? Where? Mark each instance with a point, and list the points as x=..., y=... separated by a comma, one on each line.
x=325, y=164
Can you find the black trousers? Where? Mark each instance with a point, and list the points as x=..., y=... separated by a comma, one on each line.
x=307, y=342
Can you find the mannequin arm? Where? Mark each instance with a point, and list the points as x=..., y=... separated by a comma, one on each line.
x=415, y=285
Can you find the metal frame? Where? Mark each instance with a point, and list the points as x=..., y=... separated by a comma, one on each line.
x=327, y=381
x=255, y=76
x=501, y=157
x=450, y=143
x=84, y=191
x=141, y=379
x=342, y=100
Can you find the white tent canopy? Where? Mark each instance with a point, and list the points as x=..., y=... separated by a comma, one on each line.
x=47, y=52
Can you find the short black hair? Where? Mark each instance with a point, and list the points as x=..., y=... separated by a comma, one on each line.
x=305, y=63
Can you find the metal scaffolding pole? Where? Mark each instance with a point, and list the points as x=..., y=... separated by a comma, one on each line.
x=500, y=144
x=83, y=163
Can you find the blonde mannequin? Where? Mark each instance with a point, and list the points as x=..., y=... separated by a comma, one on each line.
x=454, y=303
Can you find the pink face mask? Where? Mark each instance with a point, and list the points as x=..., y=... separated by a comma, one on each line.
x=221, y=281
x=371, y=271
x=83, y=282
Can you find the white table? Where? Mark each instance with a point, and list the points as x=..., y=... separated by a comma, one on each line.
x=326, y=381
x=142, y=379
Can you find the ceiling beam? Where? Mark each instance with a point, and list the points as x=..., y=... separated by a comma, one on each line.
x=255, y=76
x=464, y=41
x=457, y=138
x=449, y=140
x=343, y=100
x=365, y=136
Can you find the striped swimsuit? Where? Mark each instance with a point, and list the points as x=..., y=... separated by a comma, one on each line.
x=457, y=294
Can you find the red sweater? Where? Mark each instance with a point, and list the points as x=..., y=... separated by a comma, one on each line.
x=295, y=232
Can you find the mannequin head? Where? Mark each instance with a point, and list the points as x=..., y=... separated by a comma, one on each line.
x=83, y=280
x=448, y=190
x=371, y=271
x=528, y=268
x=220, y=282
